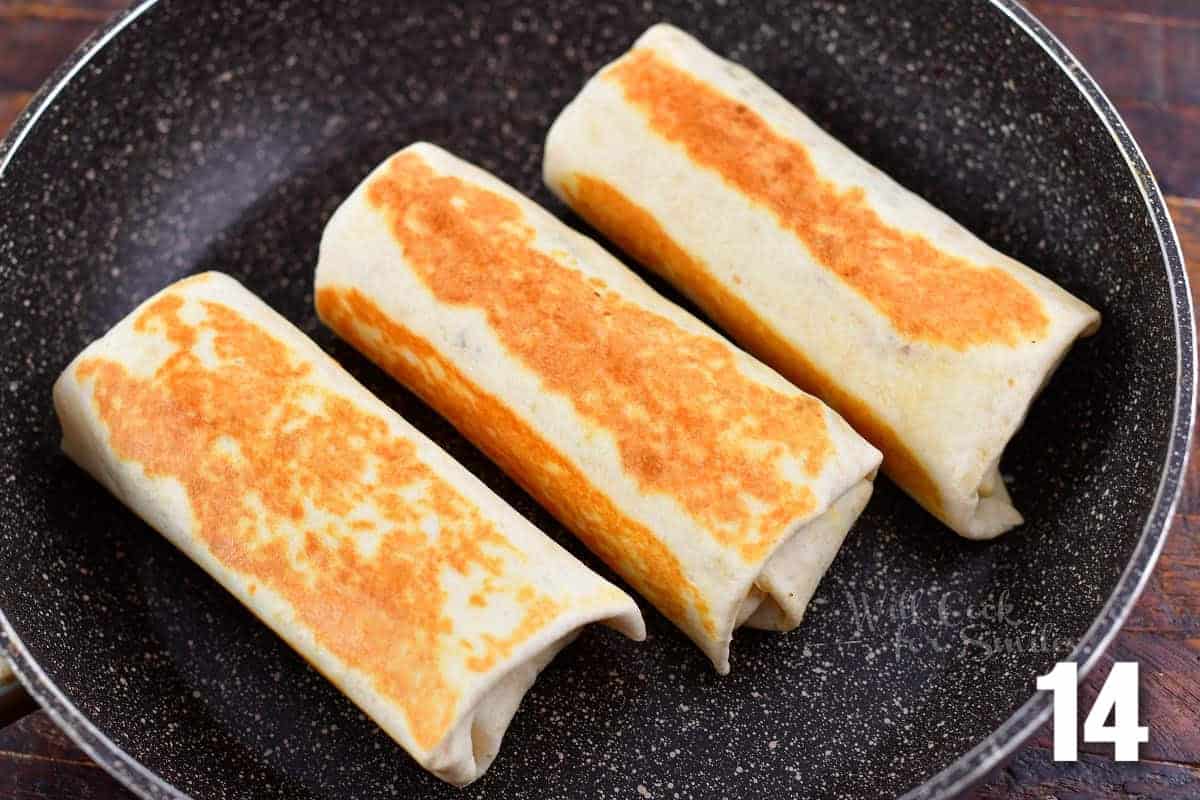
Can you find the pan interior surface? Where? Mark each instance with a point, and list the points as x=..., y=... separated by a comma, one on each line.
x=224, y=139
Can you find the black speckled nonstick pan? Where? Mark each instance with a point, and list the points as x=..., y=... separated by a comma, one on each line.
x=190, y=136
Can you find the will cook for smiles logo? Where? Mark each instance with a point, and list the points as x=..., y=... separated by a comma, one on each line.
x=980, y=626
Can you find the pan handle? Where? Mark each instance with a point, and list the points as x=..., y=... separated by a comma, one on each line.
x=15, y=702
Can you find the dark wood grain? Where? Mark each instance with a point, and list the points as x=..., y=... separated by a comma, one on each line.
x=1162, y=634
x=62, y=9
x=1185, y=211
x=1126, y=10
x=1146, y=55
x=1034, y=775
x=1149, y=65
x=38, y=762
x=1167, y=667
x=11, y=104
x=1170, y=136
x=31, y=47
x=35, y=38
x=1134, y=55
x=1171, y=602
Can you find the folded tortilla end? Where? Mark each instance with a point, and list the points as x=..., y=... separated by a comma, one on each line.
x=458, y=286
x=394, y=572
x=933, y=358
x=780, y=594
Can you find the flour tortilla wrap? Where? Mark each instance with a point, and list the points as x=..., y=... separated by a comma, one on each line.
x=929, y=342
x=419, y=593
x=715, y=487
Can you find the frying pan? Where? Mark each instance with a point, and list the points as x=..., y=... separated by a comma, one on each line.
x=187, y=137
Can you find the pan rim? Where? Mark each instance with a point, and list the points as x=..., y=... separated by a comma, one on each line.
x=997, y=746
x=1002, y=743
x=126, y=769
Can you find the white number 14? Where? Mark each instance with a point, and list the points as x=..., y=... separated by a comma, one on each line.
x=1118, y=696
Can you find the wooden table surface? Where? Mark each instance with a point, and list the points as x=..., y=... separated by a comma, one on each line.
x=1146, y=55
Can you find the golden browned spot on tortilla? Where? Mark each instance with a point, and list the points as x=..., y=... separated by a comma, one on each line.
x=262, y=449
x=495, y=648
x=624, y=544
x=686, y=421
x=638, y=233
x=927, y=294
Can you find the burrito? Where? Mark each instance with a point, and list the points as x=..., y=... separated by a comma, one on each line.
x=929, y=342
x=419, y=593
x=712, y=485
